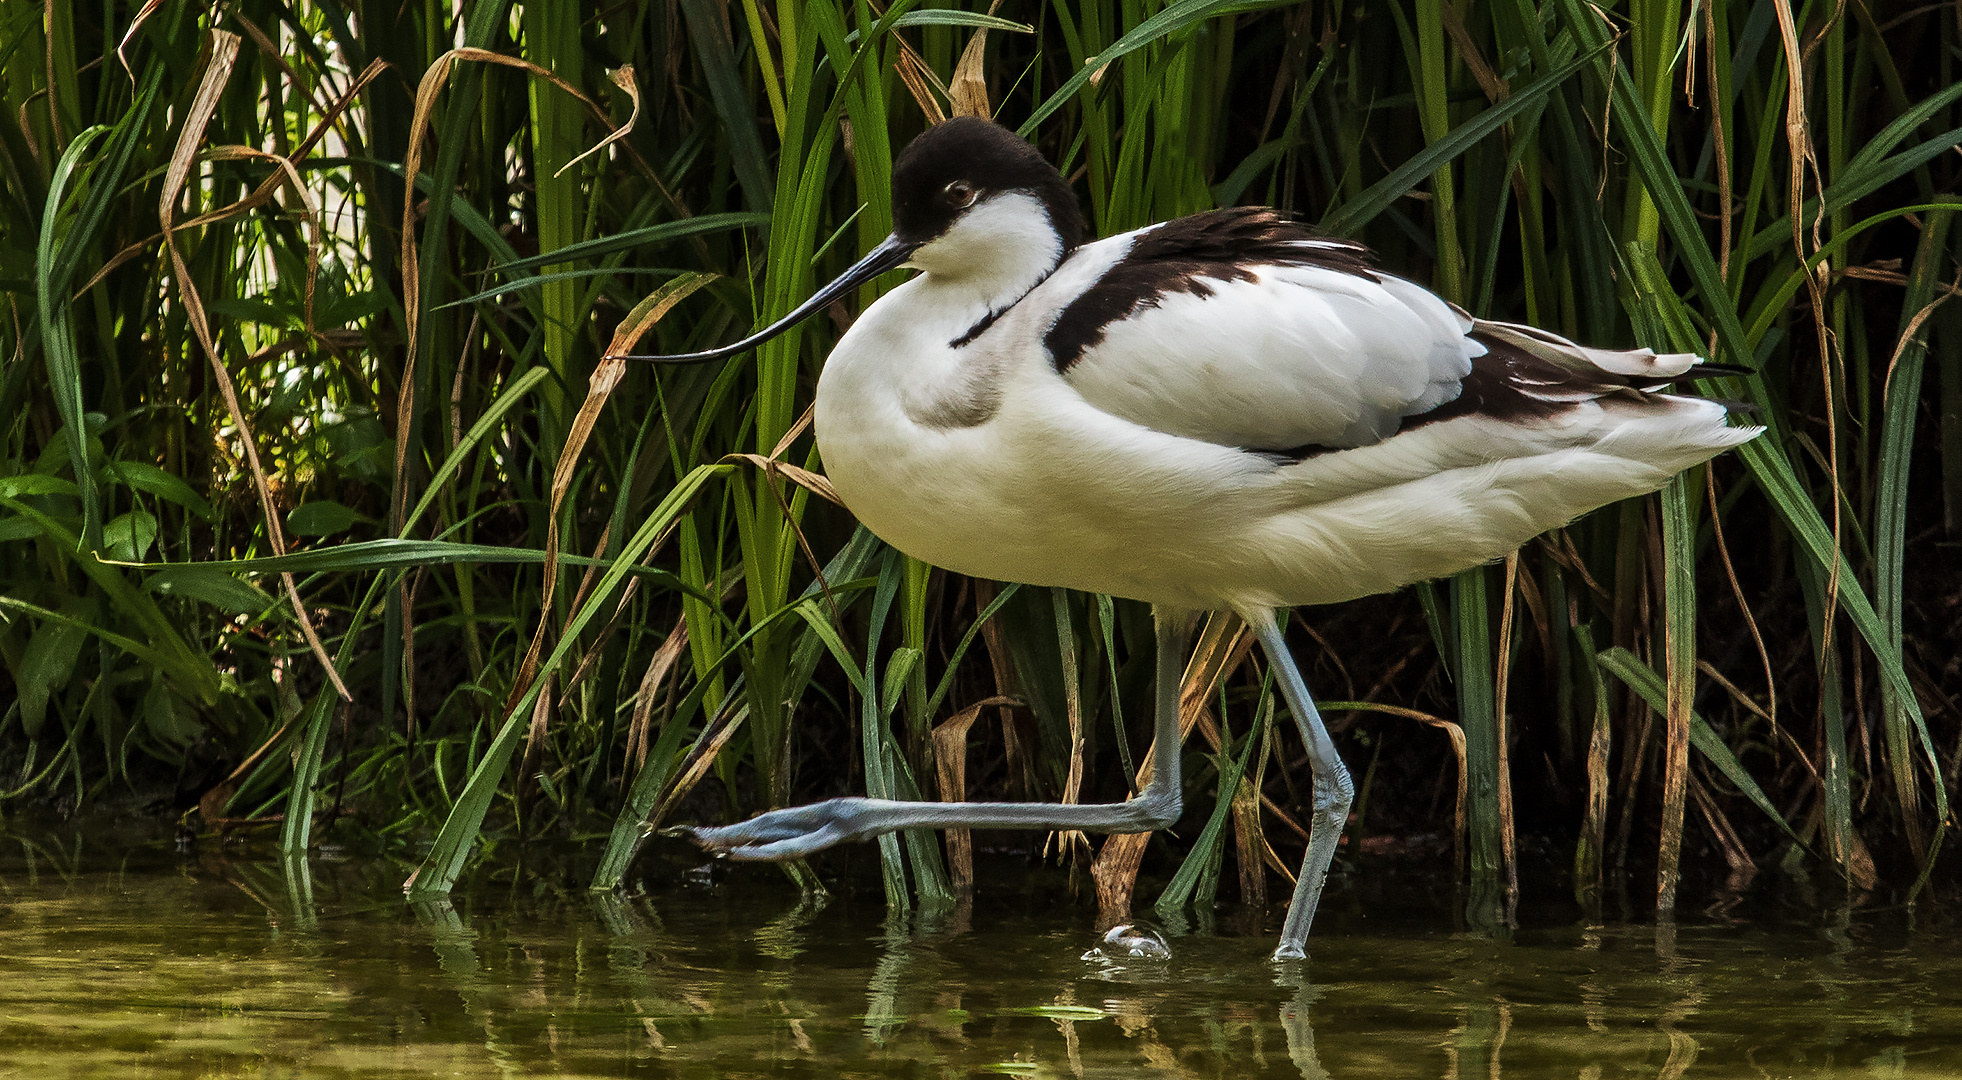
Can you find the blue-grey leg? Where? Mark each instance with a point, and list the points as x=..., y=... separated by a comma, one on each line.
x=1333, y=789
x=800, y=830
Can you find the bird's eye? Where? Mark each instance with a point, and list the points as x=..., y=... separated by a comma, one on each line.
x=960, y=194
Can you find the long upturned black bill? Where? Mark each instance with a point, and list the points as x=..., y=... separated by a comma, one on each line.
x=890, y=253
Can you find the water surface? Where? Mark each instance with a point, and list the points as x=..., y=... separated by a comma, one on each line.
x=150, y=963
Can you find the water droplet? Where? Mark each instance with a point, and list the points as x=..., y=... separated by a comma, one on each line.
x=1140, y=940
x=1131, y=941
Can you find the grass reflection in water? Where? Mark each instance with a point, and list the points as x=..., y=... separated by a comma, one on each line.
x=146, y=963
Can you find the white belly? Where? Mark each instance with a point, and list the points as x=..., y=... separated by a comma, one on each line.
x=990, y=502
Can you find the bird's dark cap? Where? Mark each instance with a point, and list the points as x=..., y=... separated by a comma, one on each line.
x=991, y=159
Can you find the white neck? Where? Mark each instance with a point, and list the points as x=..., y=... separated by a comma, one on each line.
x=995, y=252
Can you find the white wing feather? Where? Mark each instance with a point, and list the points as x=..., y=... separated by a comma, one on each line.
x=1633, y=363
x=1317, y=357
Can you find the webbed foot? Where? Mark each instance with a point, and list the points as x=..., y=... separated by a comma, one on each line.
x=780, y=835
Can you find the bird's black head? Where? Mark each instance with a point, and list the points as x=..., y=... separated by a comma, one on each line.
x=958, y=163
x=975, y=187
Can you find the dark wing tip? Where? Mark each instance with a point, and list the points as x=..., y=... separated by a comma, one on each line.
x=1708, y=370
x=1700, y=370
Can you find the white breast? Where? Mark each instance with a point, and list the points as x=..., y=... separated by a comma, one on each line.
x=1044, y=488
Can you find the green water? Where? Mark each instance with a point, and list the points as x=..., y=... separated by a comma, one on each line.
x=148, y=963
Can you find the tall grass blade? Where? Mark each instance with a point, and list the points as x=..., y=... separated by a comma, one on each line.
x=1679, y=665
x=1654, y=690
x=1203, y=859
x=1902, y=397
x=440, y=868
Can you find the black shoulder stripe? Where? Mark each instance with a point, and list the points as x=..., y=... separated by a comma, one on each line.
x=1186, y=256
x=982, y=324
x=980, y=327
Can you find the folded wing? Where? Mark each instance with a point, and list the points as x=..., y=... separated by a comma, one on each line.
x=1241, y=328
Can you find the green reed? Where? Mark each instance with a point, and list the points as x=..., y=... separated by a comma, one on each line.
x=312, y=508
